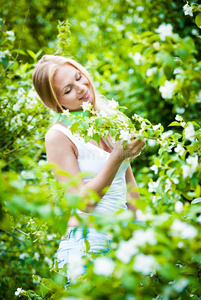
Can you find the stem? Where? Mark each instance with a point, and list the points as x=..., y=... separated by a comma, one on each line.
x=24, y=145
x=13, y=235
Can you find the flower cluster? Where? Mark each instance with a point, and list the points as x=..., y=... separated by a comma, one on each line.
x=188, y=10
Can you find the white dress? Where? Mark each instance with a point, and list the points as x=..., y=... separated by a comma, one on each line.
x=91, y=159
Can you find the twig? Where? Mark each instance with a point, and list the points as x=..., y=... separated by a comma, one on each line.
x=20, y=231
x=24, y=145
x=10, y=77
x=13, y=235
x=2, y=29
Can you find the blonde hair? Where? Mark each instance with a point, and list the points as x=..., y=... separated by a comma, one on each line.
x=43, y=76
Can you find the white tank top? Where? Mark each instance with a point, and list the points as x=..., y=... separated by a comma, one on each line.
x=91, y=159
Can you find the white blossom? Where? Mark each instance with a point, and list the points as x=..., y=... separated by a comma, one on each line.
x=179, y=149
x=76, y=264
x=151, y=142
x=189, y=169
x=144, y=263
x=42, y=162
x=23, y=255
x=143, y=217
x=113, y=104
x=180, y=245
x=186, y=171
x=168, y=185
x=188, y=10
x=180, y=285
x=51, y=236
x=199, y=219
x=154, y=199
x=154, y=168
x=125, y=251
x=32, y=94
x=164, y=30
x=156, y=127
x=29, y=118
x=103, y=113
x=184, y=230
x=153, y=186
x=151, y=71
x=66, y=112
x=178, y=71
x=103, y=266
x=180, y=110
x=141, y=237
x=178, y=206
x=193, y=162
x=36, y=255
x=166, y=134
x=135, y=116
x=167, y=89
x=27, y=175
x=29, y=127
x=16, y=107
x=183, y=124
x=175, y=180
x=48, y=260
x=19, y=292
x=125, y=135
x=137, y=58
x=178, y=118
x=194, y=31
x=143, y=125
x=189, y=132
x=86, y=106
x=90, y=131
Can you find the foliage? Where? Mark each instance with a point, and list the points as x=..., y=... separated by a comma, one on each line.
x=154, y=72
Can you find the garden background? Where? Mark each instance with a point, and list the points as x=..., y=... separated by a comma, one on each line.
x=145, y=55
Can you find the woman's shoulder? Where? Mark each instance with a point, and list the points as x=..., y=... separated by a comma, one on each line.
x=56, y=133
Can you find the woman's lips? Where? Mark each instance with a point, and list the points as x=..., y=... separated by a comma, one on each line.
x=85, y=96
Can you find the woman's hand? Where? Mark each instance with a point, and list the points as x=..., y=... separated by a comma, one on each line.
x=131, y=149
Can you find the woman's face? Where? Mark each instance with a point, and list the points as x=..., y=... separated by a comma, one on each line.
x=72, y=88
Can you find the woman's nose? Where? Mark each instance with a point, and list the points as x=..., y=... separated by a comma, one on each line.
x=80, y=88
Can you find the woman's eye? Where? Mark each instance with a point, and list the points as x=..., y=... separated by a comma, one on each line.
x=79, y=76
x=67, y=92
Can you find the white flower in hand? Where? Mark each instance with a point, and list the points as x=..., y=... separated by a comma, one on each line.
x=86, y=106
x=90, y=131
x=113, y=104
x=125, y=135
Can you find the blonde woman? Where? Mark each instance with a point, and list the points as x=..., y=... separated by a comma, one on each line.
x=62, y=83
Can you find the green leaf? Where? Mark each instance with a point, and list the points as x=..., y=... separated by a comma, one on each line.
x=196, y=124
x=196, y=200
x=32, y=54
x=87, y=244
x=182, y=53
x=74, y=127
x=198, y=20
x=175, y=123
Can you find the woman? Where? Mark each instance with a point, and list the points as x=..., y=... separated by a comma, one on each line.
x=62, y=83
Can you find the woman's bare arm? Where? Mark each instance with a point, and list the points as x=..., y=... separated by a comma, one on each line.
x=61, y=151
